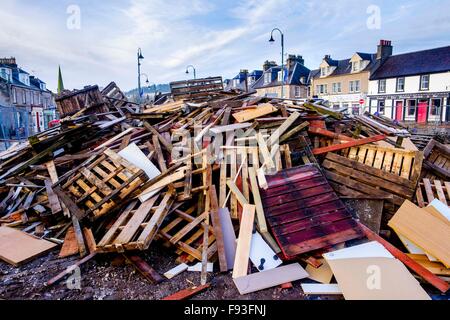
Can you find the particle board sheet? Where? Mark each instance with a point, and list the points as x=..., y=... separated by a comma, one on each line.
x=17, y=247
x=404, y=163
x=423, y=229
x=270, y=278
x=352, y=178
x=376, y=278
x=304, y=213
x=260, y=111
x=437, y=161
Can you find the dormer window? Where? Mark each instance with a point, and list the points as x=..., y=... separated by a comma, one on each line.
x=280, y=76
x=5, y=73
x=24, y=78
x=323, y=72
x=267, y=78
x=355, y=66
x=43, y=86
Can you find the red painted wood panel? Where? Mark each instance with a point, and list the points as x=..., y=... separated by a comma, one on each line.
x=304, y=213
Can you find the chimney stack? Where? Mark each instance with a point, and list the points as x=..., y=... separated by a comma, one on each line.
x=293, y=59
x=9, y=61
x=269, y=64
x=385, y=50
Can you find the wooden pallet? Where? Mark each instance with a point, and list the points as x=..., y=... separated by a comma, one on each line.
x=406, y=164
x=185, y=233
x=304, y=213
x=352, y=178
x=437, y=161
x=428, y=190
x=137, y=225
x=100, y=186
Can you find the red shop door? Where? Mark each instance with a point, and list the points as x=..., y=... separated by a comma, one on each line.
x=422, y=112
x=38, y=122
x=399, y=111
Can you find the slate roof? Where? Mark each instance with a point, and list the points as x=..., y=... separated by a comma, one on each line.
x=293, y=77
x=345, y=67
x=414, y=63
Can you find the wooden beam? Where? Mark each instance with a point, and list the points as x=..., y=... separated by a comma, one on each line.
x=244, y=242
x=217, y=226
x=347, y=145
x=187, y=293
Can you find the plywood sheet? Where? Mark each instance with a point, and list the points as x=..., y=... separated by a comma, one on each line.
x=270, y=278
x=425, y=230
x=376, y=279
x=262, y=255
x=322, y=274
x=17, y=247
x=134, y=155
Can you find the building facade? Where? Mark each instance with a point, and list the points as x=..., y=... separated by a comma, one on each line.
x=27, y=106
x=413, y=87
x=345, y=83
x=243, y=81
x=296, y=77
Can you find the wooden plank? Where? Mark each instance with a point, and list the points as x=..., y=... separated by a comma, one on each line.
x=426, y=231
x=237, y=193
x=244, y=242
x=410, y=263
x=218, y=230
x=271, y=278
x=17, y=247
x=347, y=145
x=52, y=198
x=187, y=293
x=321, y=289
x=268, y=161
x=144, y=268
x=275, y=137
x=440, y=191
x=176, y=271
x=70, y=245
x=188, y=228
x=79, y=236
x=261, y=110
x=69, y=270
x=261, y=219
x=229, y=236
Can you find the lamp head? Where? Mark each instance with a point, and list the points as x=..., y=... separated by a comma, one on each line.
x=187, y=71
x=271, y=40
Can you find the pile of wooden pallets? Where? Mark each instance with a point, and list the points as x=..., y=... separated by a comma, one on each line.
x=213, y=176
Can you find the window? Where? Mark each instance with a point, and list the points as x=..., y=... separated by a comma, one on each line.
x=267, y=77
x=280, y=76
x=411, y=107
x=297, y=92
x=355, y=109
x=435, y=108
x=381, y=105
x=382, y=86
x=321, y=88
x=24, y=97
x=355, y=86
x=323, y=72
x=400, y=84
x=425, y=82
x=14, y=94
x=5, y=73
x=355, y=66
x=336, y=106
x=44, y=87
x=336, y=87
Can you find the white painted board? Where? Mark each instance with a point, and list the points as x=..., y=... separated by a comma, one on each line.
x=262, y=255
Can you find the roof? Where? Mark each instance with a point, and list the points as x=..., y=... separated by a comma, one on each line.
x=345, y=67
x=293, y=78
x=414, y=63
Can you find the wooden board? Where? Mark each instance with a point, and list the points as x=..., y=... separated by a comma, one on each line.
x=262, y=256
x=244, y=242
x=376, y=279
x=304, y=213
x=229, y=236
x=261, y=110
x=176, y=271
x=423, y=229
x=321, y=289
x=17, y=247
x=70, y=245
x=270, y=278
x=322, y=274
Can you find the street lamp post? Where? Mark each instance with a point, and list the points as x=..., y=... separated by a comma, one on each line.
x=139, y=58
x=193, y=68
x=282, y=57
x=147, y=82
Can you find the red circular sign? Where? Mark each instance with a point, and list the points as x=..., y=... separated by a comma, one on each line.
x=362, y=101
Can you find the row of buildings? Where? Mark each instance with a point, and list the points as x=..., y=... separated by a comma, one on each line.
x=26, y=105
x=412, y=86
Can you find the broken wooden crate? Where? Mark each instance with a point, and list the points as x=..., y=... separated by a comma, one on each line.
x=137, y=225
x=437, y=161
x=100, y=185
x=355, y=179
x=304, y=212
x=428, y=190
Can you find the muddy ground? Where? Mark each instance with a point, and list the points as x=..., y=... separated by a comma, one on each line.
x=109, y=277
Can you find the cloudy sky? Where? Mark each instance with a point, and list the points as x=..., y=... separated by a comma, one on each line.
x=218, y=37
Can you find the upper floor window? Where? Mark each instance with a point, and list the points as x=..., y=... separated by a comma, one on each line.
x=14, y=95
x=400, y=84
x=297, y=92
x=336, y=87
x=5, y=73
x=355, y=66
x=425, y=82
x=382, y=86
x=323, y=72
x=280, y=76
x=322, y=88
x=24, y=78
x=355, y=86
x=267, y=77
x=24, y=97
x=43, y=86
